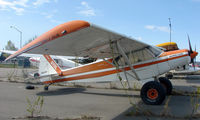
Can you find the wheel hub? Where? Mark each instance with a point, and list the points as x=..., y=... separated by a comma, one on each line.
x=152, y=93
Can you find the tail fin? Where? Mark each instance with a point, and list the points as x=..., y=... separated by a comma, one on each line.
x=48, y=66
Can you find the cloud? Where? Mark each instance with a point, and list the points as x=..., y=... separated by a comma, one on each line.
x=21, y=3
x=138, y=38
x=40, y=2
x=17, y=6
x=158, y=28
x=50, y=16
x=86, y=10
x=20, y=6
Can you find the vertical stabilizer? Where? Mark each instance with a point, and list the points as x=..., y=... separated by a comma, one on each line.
x=48, y=66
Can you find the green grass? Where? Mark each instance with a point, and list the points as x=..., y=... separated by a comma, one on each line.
x=16, y=66
x=7, y=65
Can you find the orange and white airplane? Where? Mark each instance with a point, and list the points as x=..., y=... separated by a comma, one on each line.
x=117, y=56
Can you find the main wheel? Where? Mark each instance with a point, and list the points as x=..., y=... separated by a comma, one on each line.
x=167, y=84
x=153, y=93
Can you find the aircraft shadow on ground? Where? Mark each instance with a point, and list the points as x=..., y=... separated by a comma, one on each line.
x=110, y=94
x=179, y=107
x=61, y=91
x=183, y=90
x=65, y=91
x=194, y=80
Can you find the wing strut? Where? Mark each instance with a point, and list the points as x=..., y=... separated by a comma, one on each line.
x=127, y=60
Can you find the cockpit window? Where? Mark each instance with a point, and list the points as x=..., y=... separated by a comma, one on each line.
x=136, y=56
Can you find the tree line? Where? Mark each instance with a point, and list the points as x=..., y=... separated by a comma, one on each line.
x=11, y=46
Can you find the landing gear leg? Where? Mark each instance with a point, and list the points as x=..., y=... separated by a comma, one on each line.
x=46, y=87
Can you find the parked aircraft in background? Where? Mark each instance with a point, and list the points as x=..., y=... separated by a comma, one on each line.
x=188, y=68
x=63, y=61
x=119, y=57
x=168, y=46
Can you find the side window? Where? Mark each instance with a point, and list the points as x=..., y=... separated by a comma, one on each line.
x=120, y=61
x=135, y=57
x=147, y=55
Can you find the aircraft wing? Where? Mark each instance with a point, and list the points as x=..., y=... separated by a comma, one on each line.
x=82, y=39
x=23, y=55
x=39, y=55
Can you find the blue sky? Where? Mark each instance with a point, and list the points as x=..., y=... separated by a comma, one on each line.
x=145, y=20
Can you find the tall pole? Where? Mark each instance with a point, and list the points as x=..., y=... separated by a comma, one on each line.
x=20, y=34
x=170, y=29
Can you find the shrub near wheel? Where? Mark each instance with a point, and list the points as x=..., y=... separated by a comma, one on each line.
x=153, y=93
x=167, y=84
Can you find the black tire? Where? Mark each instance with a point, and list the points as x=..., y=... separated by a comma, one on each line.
x=46, y=88
x=167, y=85
x=30, y=87
x=153, y=93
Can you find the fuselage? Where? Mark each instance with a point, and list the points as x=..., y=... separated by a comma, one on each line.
x=106, y=70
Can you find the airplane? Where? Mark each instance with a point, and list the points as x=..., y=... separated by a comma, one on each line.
x=168, y=46
x=35, y=59
x=63, y=62
x=189, y=69
x=186, y=69
x=119, y=58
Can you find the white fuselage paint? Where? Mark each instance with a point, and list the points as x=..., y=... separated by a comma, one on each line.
x=160, y=66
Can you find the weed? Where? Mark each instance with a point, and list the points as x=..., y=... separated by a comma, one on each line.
x=10, y=75
x=166, y=111
x=25, y=73
x=35, y=107
x=195, y=97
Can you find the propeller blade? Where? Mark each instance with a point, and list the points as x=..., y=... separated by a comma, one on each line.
x=190, y=44
x=195, y=57
x=191, y=51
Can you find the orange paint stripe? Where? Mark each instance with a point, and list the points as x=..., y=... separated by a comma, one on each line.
x=156, y=62
x=94, y=75
x=53, y=64
x=88, y=68
x=105, y=65
x=173, y=52
x=100, y=74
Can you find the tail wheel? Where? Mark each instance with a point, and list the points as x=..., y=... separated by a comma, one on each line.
x=153, y=93
x=46, y=88
x=36, y=75
x=167, y=84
